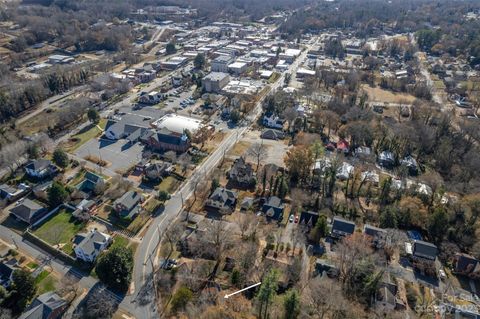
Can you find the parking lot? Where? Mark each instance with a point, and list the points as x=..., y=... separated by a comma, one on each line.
x=119, y=154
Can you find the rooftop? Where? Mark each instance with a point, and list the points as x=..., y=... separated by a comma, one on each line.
x=177, y=123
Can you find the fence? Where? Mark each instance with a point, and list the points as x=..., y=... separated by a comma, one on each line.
x=48, y=248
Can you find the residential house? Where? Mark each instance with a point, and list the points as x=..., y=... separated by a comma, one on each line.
x=388, y=298
x=46, y=306
x=40, y=168
x=222, y=200
x=341, y=228
x=272, y=134
x=242, y=174
x=345, y=171
x=153, y=97
x=424, y=250
x=466, y=265
x=376, y=234
x=411, y=164
x=386, y=159
x=157, y=171
x=363, y=152
x=11, y=193
x=308, y=218
x=129, y=205
x=321, y=165
x=87, y=246
x=215, y=81
x=85, y=209
x=28, y=211
x=41, y=190
x=247, y=204
x=323, y=267
x=343, y=146
x=6, y=272
x=271, y=120
x=273, y=208
x=90, y=182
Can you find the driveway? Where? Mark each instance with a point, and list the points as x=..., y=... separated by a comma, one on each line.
x=119, y=154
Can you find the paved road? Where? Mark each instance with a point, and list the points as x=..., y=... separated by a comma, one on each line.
x=145, y=259
x=16, y=241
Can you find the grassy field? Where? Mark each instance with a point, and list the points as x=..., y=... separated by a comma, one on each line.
x=45, y=282
x=120, y=241
x=86, y=134
x=60, y=229
x=377, y=94
x=169, y=184
x=240, y=148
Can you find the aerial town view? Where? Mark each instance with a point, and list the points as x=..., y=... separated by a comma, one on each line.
x=239, y=159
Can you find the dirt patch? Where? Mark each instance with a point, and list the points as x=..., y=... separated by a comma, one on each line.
x=377, y=94
x=239, y=148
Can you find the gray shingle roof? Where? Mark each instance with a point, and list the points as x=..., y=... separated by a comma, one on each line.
x=43, y=306
x=27, y=210
x=90, y=242
x=424, y=249
x=342, y=227
x=39, y=164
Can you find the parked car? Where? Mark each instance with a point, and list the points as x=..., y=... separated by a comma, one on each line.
x=291, y=218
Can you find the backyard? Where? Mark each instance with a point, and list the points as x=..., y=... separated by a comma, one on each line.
x=60, y=230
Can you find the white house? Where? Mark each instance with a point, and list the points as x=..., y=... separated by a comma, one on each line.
x=88, y=246
x=153, y=97
x=40, y=168
x=345, y=171
x=273, y=121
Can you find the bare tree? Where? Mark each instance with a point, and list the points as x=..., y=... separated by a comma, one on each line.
x=185, y=160
x=69, y=288
x=171, y=156
x=258, y=151
x=245, y=222
x=325, y=298
x=220, y=239
x=297, y=236
x=98, y=304
x=173, y=235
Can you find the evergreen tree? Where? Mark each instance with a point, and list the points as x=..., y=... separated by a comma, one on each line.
x=115, y=268
x=60, y=158
x=291, y=305
x=57, y=194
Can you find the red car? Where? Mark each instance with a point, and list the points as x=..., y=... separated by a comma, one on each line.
x=296, y=218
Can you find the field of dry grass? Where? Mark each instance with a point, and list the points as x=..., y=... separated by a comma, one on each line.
x=377, y=94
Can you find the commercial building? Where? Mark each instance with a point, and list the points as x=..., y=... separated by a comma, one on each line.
x=215, y=81
x=238, y=68
x=221, y=63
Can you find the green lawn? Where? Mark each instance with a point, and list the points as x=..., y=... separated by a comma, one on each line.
x=86, y=134
x=32, y=265
x=60, y=229
x=45, y=282
x=120, y=241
